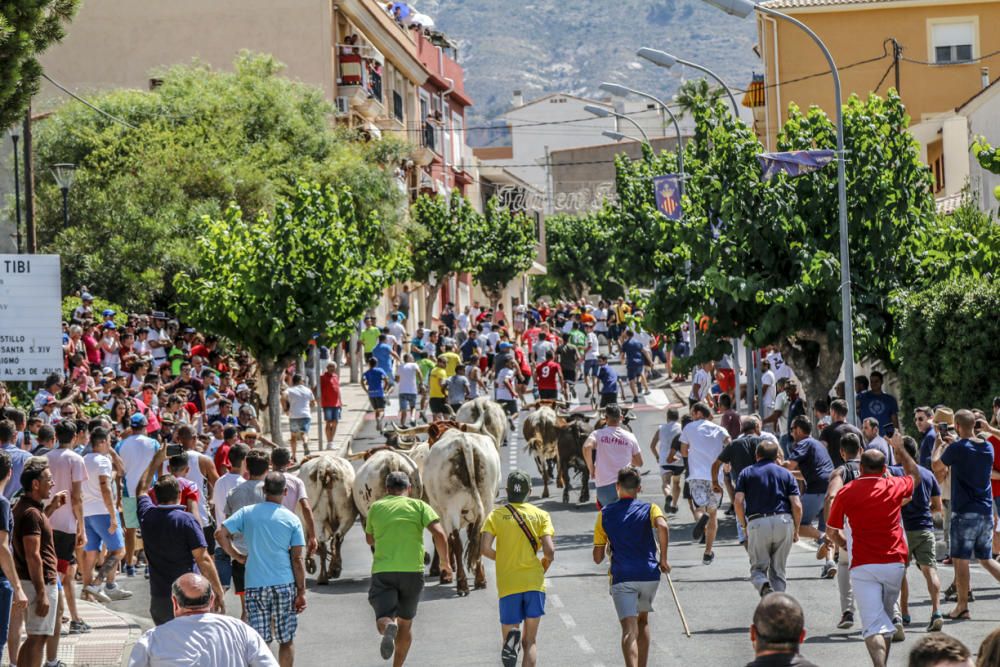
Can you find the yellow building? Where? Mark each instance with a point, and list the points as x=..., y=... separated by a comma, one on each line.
x=939, y=52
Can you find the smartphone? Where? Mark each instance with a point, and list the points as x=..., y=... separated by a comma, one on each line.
x=174, y=450
x=890, y=430
x=943, y=427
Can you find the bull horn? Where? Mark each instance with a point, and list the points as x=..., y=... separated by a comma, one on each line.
x=416, y=430
x=357, y=456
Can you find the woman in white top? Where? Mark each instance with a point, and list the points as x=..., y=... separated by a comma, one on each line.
x=670, y=469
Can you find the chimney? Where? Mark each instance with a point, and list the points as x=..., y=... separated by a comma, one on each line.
x=517, y=100
x=984, y=72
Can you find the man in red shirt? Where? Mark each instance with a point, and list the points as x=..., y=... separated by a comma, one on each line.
x=329, y=389
x=866, y=511
x=548, y=378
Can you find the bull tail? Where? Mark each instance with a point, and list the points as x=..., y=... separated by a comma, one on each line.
x=472, y=554
x=534, y=444
x=469, y=453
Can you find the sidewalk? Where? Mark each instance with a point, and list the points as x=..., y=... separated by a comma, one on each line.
x=108, y=644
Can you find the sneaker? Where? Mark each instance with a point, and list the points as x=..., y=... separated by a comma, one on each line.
x=708, y=558
x=730, y=511
x=765, y=589
x=388, y=644
x=667, y=504
x=587, y=395
x=117, y=593
x=846, y=620
x=95, y=594
x=906, y=620
x=699, y=528
x=829, y=571
x=57, y=663
x=511, y=647
x=937, y=622
x=130, y=570
x=79, y=627
x=899, y=635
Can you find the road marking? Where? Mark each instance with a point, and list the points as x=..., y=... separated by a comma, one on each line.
x=392, y=408
x=568, y=620
x=584, y=645
x=556, y=601
x=657, y=398
x=548, y=583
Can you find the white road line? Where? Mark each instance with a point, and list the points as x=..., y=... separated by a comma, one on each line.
x=548, y=583
x=657, y=398
x=556, y=601
x=568, y=620
x=584, y=645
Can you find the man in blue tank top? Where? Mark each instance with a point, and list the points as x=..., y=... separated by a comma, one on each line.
x=627, y=527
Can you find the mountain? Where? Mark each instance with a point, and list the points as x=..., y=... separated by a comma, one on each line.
x=545, y=46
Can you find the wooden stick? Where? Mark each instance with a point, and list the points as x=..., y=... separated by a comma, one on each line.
x=673, y=591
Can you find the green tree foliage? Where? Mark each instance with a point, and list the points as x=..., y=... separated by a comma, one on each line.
x=505, y=249
x=578, y=251
x=694, y=92
x=27, y=28
x=948, y=336
x=204, y=139
x=273, y=282
x=989, y=158
x=442, y=235
x=963, y=243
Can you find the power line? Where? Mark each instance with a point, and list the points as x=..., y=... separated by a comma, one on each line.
x=992, y=54
x=86, y=103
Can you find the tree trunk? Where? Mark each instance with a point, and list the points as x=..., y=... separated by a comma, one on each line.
x=816, y=363
x=273, y=371
x=429, y=300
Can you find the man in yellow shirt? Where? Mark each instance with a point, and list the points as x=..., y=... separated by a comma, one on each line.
x=438, y=391
x=451, y=360
x=519, y=529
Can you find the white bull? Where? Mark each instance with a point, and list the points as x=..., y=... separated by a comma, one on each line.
x=329, y=482
x=461, y=479
x=494, y=420
x=369, y=482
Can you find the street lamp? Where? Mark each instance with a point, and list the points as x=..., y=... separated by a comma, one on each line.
x=623, y=91
x=64, y=173
x=742, y=9
x=618, y=136
x=601, y=112
x=664, y=59
x=15, y=134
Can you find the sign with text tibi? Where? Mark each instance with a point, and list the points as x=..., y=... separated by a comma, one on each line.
x=30, y=317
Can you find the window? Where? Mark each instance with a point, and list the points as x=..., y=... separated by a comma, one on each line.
x=953, y=41
x=459, y=142
x=397, y=105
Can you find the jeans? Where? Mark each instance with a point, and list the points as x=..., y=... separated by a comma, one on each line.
x=224, y=566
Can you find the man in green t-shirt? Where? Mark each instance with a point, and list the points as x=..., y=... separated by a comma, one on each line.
x=395, y=528
x=369, y=337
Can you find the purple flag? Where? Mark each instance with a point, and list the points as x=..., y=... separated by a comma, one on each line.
x=668, y=195
x=794, y=163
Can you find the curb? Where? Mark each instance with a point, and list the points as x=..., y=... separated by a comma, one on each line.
x=107, y=645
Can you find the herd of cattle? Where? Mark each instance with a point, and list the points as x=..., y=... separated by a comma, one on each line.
x=456, y=470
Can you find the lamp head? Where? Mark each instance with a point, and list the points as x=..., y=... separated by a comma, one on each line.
x=600, y=112
x=615, y=89
x=614, y=136
x=740, y=8
x=64, y=173
x=657, y=57
x=15, y=131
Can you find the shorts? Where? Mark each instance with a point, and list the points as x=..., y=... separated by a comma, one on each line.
x=812, y=508
x=395, y=594
x=6, y=598
x=569, y=374
x=672, y=469
x=607, y=495
x=378, y=402
x=921, y=545
x=35, y=625
x=510, y=407
x=223, y=566
x=65, y=545
x=971, y=536
x=273, y=605
x=98, y=528
x=590, y=368
x=299, y=424
x=634, y=372
x=632, y=598
x=129, y=513
x=439, y=406
x=331, y=414
x=681, y=349
x=407, y=402
x=608, y=399
x=727, y=380
x=516, y=607
x=702, y=495
x=239, y=577
x=548, y=394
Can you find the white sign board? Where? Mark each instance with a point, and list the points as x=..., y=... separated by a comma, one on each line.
x=30, y=317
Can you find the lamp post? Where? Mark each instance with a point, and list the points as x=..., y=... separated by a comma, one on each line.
x=64, y=172
x=742, y=9
x=15, y=134
x=618, y=136
x=623, y=91
x=664, y=59
x=601, y=112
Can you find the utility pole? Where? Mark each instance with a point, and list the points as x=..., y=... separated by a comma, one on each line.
x=897, y=54
x=29, y=187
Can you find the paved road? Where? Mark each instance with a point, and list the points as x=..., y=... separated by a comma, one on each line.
x=580, y=627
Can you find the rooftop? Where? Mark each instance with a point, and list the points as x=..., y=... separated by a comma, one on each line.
x=806, y=4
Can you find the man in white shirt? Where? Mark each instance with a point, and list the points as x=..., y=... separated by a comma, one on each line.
x=397, y=331
x=197, y=637
x=778, y=365
x=701, y=385
x=136, y=452
x=768, y=389
x=297, y=400
x=409, y=379
x=223, y=486
x=615, y=448
x=590, y=352
x=69, y=472
x=701, y=442
x=100, y=518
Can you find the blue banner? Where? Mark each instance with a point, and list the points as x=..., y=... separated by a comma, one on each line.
x=794, y=163
x=668, y=195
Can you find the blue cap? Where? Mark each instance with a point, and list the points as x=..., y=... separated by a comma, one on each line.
x=110, y=325
x=107, y=312
x=503, y=346
x=138, y=419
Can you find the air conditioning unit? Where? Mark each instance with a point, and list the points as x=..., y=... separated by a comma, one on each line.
x=343, y=106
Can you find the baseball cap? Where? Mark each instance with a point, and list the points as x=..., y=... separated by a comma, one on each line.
x=242, y=387
x=107, y=370
x=108, y=312
x=518, y=486
x=86, y=297
x=110, y=325
x=138, y=419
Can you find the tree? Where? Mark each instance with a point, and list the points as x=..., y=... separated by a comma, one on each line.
x=578, y=251
x=693, y=92
x=989, y=158
x=273, y=283
x=505, y=249
x=27, y=28
x=442, y=240
x=203, y=139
